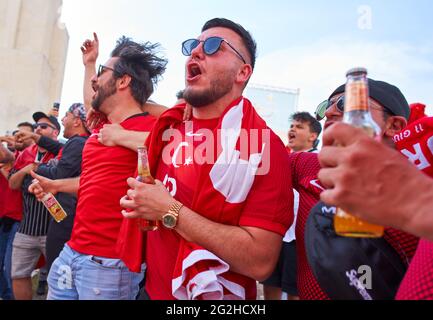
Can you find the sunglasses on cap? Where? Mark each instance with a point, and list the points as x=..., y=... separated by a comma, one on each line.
x=325, y=105
x=210, y=46
x=43, y=126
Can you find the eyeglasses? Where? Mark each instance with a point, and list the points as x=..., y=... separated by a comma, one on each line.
x=339, y=104
x=43, y=126
x=101, y=70
x=210, y=46
x=325, y=105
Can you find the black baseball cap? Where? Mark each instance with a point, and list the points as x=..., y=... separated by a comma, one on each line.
x=39, y=115
x=388, y=95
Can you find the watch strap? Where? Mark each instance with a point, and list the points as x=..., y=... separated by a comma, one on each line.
x=175, y=208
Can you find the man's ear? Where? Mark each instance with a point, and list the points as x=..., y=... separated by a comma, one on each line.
x=244, y=74
x=77, y=122
x=393, y=125
x=124, y=82
x=313, y=137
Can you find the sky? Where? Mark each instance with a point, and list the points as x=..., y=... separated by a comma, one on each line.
x=307, y=45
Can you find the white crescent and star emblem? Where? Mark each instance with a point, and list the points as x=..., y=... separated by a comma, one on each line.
x=176, y=152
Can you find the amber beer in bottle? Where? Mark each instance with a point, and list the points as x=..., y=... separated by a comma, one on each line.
x=54, y=207
x=357, y=113
x=145, y=176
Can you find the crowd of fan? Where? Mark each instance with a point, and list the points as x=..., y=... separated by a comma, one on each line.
x=228, y=218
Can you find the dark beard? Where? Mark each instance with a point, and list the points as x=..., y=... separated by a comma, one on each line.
x=218, y=88
x=103, y=93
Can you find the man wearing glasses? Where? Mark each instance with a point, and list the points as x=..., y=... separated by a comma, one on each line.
x=29, y=241
x=390, y=110
x=221, y=220
x=89, y=267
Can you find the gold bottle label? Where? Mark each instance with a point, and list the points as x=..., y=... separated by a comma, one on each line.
x=356, y=98
x=54, y=208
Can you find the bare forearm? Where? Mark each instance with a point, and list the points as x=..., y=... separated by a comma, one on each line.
x=70, y=185
x=131, y=139
x=89, y=72
x=245, y=253
x=16, y=180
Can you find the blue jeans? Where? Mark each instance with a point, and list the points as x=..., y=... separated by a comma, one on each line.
x=6, y=240
x=75, y=276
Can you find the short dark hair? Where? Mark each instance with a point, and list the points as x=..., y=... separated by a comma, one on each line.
x=140, y=61
x=314, y=125
x=26, y=124
x=247, y=39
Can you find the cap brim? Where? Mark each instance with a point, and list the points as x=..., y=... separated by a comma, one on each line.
x=39, y=115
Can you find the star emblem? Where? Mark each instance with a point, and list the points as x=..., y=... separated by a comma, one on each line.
x=188, y=161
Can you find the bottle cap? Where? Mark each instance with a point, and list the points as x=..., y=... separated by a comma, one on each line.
x=358, y=70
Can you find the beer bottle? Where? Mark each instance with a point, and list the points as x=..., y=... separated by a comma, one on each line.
x=357, y=113
x=145, y=177
x=54, y=207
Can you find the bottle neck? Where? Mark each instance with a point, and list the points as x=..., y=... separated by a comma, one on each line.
x=356, y=95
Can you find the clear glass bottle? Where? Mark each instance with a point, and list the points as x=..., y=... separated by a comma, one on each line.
x=145, y=177
x=357, y=113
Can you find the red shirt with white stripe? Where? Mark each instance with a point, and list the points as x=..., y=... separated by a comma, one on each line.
x=267, y=205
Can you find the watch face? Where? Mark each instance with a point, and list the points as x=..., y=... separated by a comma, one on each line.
x=169, y=220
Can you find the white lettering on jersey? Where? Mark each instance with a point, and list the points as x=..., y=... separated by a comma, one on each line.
x=418, y=158
x=170, y=184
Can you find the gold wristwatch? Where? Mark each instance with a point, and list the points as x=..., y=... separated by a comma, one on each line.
x=169, y=220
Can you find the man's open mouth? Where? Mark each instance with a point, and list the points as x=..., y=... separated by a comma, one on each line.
x=193, y=71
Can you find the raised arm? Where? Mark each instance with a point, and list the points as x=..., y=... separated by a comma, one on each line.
x=90, y=50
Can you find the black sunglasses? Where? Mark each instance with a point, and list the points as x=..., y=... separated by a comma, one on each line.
x=102, y=68
x=210, y=46
x=43, y=126
x=325, y=105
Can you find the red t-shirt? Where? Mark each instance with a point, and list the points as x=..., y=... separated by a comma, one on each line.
x=3, y=186
x=267, y=206
x=102, y=184
x=13, y=206
x=12, y=200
